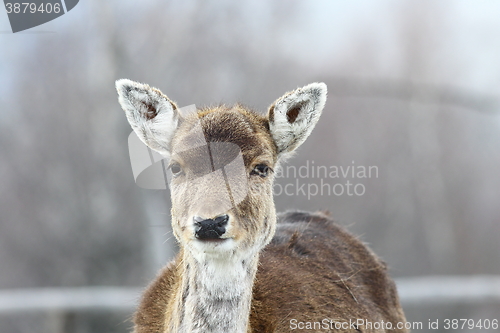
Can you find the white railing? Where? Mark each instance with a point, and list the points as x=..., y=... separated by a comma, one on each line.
x=69, y=299
x=449, y=289
x=415, y=291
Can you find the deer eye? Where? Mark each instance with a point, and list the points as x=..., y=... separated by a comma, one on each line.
x=261, y=170
x=176, y=169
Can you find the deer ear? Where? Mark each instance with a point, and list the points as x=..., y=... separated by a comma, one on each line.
x=152, y=115
x=293, y=116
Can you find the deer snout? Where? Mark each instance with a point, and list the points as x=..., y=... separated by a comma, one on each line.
x=208, y=229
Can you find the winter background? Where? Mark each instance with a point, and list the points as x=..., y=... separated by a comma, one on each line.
x=414, y=90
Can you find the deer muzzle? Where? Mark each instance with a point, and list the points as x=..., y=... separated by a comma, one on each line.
x=210, y=229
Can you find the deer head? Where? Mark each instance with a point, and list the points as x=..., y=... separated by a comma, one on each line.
x=221, y=162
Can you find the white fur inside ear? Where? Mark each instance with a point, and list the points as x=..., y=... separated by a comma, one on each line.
x=152, y=116
x=293, y=116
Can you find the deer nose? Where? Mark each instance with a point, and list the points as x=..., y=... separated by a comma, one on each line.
x=210, y=228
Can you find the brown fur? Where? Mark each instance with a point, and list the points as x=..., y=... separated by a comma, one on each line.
x=312, y=270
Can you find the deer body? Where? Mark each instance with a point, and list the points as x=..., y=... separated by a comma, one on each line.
x=240, y=270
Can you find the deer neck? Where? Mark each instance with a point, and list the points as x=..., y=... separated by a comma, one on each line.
x=215, y=293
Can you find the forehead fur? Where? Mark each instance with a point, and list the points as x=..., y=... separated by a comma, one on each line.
x=239, y=125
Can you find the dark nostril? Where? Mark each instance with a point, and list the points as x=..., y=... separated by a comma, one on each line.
x=221, y=220
x=210, y=228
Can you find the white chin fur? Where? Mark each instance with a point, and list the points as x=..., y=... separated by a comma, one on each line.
x=212, y=248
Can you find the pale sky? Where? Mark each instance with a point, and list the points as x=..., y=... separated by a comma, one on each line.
x=326, y=29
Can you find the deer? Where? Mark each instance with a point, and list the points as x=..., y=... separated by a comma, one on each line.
x=241, y=267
